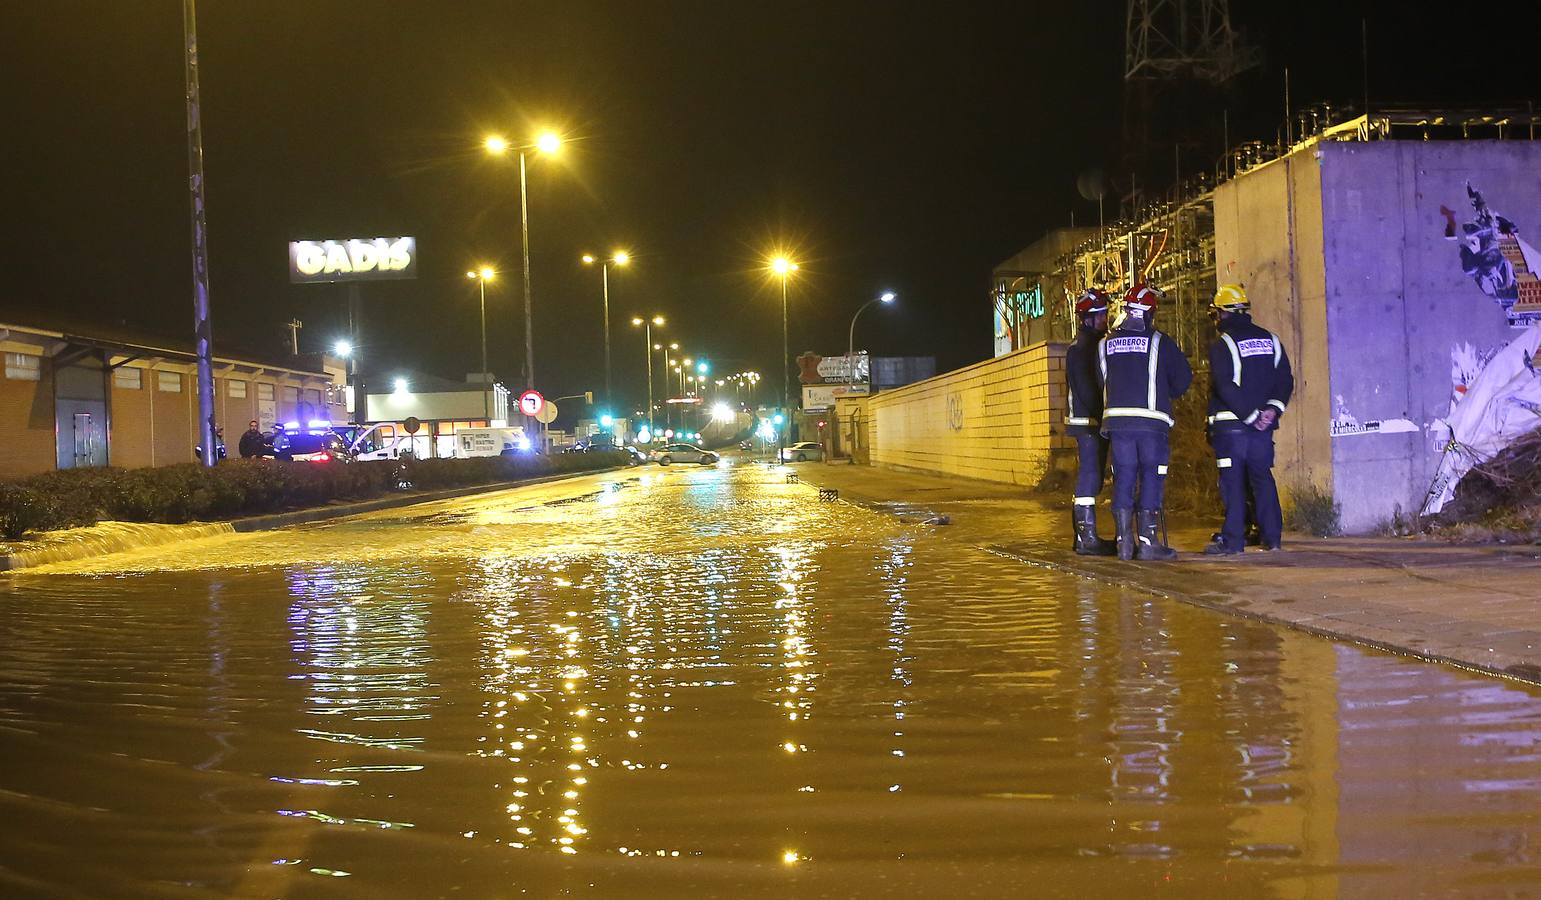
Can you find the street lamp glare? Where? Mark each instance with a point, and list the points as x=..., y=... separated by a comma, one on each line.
x=783, y=266
x=658, y=320
x=888, y=297
x=674, y=346
x=588, y=259
x=470, y=274
x=342, y=348
x=486, y=273
x=495, y=144
x=548, y=142
x=621, y=257
x=636, y=320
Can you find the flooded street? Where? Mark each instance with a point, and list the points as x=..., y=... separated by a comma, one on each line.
x=703, y=682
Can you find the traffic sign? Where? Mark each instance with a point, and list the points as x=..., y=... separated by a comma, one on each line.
x=411, y=424
x=547, y=413
x=531, y=403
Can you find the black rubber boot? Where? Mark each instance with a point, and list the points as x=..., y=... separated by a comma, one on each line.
x=1149, y=545
x=1123, y=520
x=1218, y=547
x=1087, y=543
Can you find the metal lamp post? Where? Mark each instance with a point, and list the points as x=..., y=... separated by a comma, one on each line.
x=482, y=276
x=784, y=268
x=619, y=258
x=647, y=330
x=548, y=143
x=850, y=350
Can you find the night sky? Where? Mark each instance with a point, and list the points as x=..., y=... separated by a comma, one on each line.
x=889, y=146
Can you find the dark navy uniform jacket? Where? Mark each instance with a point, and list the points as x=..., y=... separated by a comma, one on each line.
x=1249, y=371
x=1142, y=372
x=1083, y=413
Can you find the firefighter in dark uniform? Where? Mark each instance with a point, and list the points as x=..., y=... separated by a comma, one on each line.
x=1143, y=371
x=1083, y=420
x=1251, y=384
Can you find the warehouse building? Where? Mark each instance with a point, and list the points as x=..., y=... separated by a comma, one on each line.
x=70, y=400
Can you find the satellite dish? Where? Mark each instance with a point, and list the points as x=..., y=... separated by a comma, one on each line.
x=1091, y=184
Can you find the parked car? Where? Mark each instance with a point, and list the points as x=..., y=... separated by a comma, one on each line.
x=634, y=457
x=684, y=453
x=802, y=452
x=310, y=446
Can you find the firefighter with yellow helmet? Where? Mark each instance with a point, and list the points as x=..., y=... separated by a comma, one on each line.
x=1250, y=388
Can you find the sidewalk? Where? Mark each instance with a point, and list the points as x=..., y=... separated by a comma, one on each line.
x=1476, y=607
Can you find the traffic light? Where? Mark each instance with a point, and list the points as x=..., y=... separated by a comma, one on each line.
x=778, y=418
x=588, y=397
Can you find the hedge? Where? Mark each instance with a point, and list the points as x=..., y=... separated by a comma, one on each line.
x=72, y=498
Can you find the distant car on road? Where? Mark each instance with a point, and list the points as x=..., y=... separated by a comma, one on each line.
x=634, y=457
x=683, y=453
x=802, y=452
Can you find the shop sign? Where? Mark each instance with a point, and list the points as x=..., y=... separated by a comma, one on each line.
x=352, y=259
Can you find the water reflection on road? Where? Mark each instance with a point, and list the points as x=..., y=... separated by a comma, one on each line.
x=705, y=683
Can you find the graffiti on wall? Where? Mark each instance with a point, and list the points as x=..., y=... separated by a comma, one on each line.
x=1496, y=259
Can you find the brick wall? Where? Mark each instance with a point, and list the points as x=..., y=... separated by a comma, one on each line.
x=27, y=409
x=997, y=420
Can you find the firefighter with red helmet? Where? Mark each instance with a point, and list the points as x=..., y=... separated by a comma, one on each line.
x=1083, y=420
x=1142, y=371
x=1250, y=388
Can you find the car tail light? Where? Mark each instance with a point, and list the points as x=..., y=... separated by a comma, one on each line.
x=322, y=457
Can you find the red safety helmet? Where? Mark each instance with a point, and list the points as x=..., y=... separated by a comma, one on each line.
x=1143, y=297
x=1091, y=302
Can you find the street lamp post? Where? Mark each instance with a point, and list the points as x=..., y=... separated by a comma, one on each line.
x=850, y=349
x=548, y=143
x=482, y=276
x=344, y=350
x=619, y=258
x=784, y=268
x=647, y=330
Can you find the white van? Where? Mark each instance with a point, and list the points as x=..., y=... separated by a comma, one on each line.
x=371, y=443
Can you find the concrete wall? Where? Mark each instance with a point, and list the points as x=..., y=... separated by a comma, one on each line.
x=1345, y=253
x=995, y=420
x=1409, y=326
x=1268, y=236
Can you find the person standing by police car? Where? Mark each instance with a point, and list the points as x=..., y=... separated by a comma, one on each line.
x=1143, y=371
x=1083, y=420
x=1250, y=388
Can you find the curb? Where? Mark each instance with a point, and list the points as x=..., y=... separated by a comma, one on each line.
x=274, y=521
x=1163, y=583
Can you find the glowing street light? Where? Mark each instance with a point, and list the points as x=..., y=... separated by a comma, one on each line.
x=482, y=276
x=342, y=349
x=783, y=267
x=886, y=298
x=546, y=142
x=647, y=330
x=619, y=258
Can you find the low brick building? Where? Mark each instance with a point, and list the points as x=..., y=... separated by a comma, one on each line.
x=69, y=400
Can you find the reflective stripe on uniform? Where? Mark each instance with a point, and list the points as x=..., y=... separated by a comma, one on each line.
x=1224, y=415
x=1080, y=420
x=1277, y=404
x=1236, y=358
x=1138, y=412
x=1278, y=350
x=1086, y=501
x=1223, y=462
x=1252, y=418
x=1161, y=470
x=1102, y=357
x=1150, y=377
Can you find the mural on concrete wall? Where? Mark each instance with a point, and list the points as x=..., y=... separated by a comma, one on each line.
x=1493, y=255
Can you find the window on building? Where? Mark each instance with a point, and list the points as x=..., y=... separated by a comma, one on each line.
x=291, y=395
x=23, y=366
x=264, y=391
x=127, y=378
x=236, y=389
x=168, y=382
x=313, y=397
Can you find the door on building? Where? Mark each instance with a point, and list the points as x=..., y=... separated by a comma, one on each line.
x=80, y=412
x=82, y=429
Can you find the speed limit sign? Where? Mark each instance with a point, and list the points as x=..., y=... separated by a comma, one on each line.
x=531, y=403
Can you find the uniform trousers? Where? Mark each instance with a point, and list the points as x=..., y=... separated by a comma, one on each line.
x=1245, y=458
x=1140, y=457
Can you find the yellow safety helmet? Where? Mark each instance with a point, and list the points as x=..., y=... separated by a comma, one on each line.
x=1231, y=298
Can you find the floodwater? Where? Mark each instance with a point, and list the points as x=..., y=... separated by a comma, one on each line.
x=705, y=683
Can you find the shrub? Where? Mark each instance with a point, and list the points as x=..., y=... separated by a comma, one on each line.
x=188, y=491
x=1313, y=510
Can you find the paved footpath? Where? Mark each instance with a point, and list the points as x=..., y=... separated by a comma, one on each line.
x=1473, y=606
